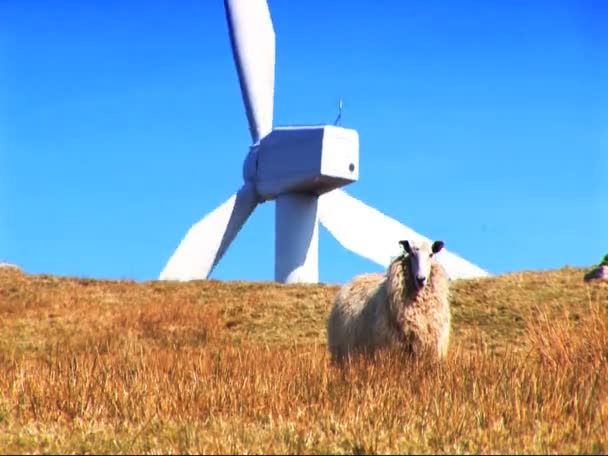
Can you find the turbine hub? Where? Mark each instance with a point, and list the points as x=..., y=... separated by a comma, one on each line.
x=250, y=170
x=250, y=165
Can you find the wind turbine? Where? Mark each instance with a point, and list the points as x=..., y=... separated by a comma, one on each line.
x=300, y=167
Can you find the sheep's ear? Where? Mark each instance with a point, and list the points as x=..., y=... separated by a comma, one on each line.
x=437, y=246
x=406, y=246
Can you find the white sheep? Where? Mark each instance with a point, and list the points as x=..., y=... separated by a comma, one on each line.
x=5, y=265
x=409, y=305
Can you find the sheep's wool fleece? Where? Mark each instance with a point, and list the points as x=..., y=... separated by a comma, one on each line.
x=375, y=310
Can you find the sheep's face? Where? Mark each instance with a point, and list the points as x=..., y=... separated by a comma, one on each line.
x=419, y=256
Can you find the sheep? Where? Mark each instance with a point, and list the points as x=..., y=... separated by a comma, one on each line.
x=9, y=266
x=408, y=306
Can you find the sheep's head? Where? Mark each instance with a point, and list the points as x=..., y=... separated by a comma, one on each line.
x=419, y=256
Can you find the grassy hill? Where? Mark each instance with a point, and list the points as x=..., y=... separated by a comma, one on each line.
x=127, y=367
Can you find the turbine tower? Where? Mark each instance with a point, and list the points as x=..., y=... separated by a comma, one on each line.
x=300, y=167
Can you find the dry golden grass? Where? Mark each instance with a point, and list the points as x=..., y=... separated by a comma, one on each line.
x=93, y=366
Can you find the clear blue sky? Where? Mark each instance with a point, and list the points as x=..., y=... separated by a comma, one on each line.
x=484, y=124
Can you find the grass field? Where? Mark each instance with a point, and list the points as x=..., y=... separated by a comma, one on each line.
x=94, y=366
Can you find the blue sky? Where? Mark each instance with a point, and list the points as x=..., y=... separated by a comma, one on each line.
x=484, y=124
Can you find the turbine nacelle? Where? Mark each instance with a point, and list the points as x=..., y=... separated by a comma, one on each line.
x=312, y=159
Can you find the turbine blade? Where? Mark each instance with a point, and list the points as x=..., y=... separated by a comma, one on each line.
x=375, y=236
x=207, y=241
x=253, y=48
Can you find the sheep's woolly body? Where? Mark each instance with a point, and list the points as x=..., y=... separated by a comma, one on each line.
x=377, y=310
